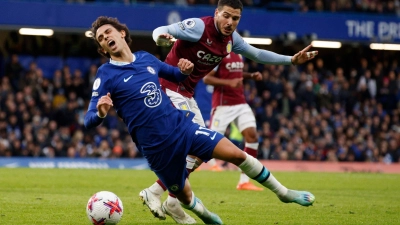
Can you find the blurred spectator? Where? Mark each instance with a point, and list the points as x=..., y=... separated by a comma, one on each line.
x=320, y=112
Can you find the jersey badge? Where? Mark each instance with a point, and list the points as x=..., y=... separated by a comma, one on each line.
x=189, y=23
x=96, y=84
x=216, y=123
x=229, y=47
x=151, y=70
x=183, y=106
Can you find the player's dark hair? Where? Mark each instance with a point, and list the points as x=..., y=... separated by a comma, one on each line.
x=103, y=20
x=235, y=4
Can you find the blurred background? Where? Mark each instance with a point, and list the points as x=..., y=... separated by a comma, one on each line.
x=342, y=106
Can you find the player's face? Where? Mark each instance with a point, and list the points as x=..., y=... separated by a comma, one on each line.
x=227, y=19
x=110, y=39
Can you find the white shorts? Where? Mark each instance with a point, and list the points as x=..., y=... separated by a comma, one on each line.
x=241, y=115
x=185, y=103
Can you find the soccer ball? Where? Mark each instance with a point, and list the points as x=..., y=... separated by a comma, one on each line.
x=104, y=208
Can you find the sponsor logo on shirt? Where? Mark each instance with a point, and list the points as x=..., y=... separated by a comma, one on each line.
x=208, y=57
x=234, y=66
x=95, y=93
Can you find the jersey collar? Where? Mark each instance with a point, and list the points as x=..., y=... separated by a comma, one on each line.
x=118, y=63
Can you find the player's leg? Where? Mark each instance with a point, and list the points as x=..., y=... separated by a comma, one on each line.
x=169, y=166
x=246, y=123
x=189, y=201
x=227, y=151
x=151, y=196
x=198, y=119
x=174, y=175
x=220, y=119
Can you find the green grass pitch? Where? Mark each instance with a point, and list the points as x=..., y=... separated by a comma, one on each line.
x=59, y=196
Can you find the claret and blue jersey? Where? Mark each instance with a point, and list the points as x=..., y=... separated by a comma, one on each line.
x=138, y=99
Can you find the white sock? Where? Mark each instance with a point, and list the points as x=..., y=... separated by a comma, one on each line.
x=195, y=206
x=254, y=169
x=171, y=201
x=243, y=178
x=212, y=162
x=156, y=189
x=190, y=162
x=251, y=145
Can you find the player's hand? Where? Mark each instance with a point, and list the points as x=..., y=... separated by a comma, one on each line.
x=236, y=82
x=165, y=40
x=185, y=66
x=104, y=104
x=256, y=76
x=303, y=56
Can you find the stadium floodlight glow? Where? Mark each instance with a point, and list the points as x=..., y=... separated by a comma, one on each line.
x=88, y=33
x=258, y=41
x=381, y=46
x=36, y=32
x=326, y=44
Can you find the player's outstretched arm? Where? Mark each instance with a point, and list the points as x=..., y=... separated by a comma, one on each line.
x=268, y=57
x=176, y=73
x=162, y=35
x=187, y=30
x=211, y=79
x=304, y=56
x=255, y=76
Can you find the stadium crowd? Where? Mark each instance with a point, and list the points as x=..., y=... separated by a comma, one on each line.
x=306, y=112
x=325, y=110
x=387, y=7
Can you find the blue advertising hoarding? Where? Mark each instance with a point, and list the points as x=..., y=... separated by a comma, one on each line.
x=73, y=163
x=146, y=17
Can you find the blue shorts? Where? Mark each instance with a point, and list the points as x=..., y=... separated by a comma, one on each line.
x=170, y=164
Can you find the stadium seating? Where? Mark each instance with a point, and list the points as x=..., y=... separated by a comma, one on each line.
x=49, y=64
x=81, y=63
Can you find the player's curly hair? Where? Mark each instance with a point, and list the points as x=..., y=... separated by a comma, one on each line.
x=103, y=20
x=236, y=4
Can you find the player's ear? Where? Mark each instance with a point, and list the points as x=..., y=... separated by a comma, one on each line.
x=216, y=12
x=123, y=34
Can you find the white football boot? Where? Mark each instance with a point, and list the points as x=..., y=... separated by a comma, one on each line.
x=153, y=202
x=173, y=208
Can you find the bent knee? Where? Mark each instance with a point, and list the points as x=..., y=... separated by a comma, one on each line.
x=238, y=158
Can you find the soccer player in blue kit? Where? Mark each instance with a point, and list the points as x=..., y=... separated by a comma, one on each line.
x=205, y=42
x=129, y=82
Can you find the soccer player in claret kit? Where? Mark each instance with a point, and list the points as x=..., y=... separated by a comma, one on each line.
x=165, y=135
x=205, y=42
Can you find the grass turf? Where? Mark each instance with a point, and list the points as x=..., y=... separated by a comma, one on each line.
x=59, y=196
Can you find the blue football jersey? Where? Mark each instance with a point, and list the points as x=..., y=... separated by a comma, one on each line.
x=138, y=99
